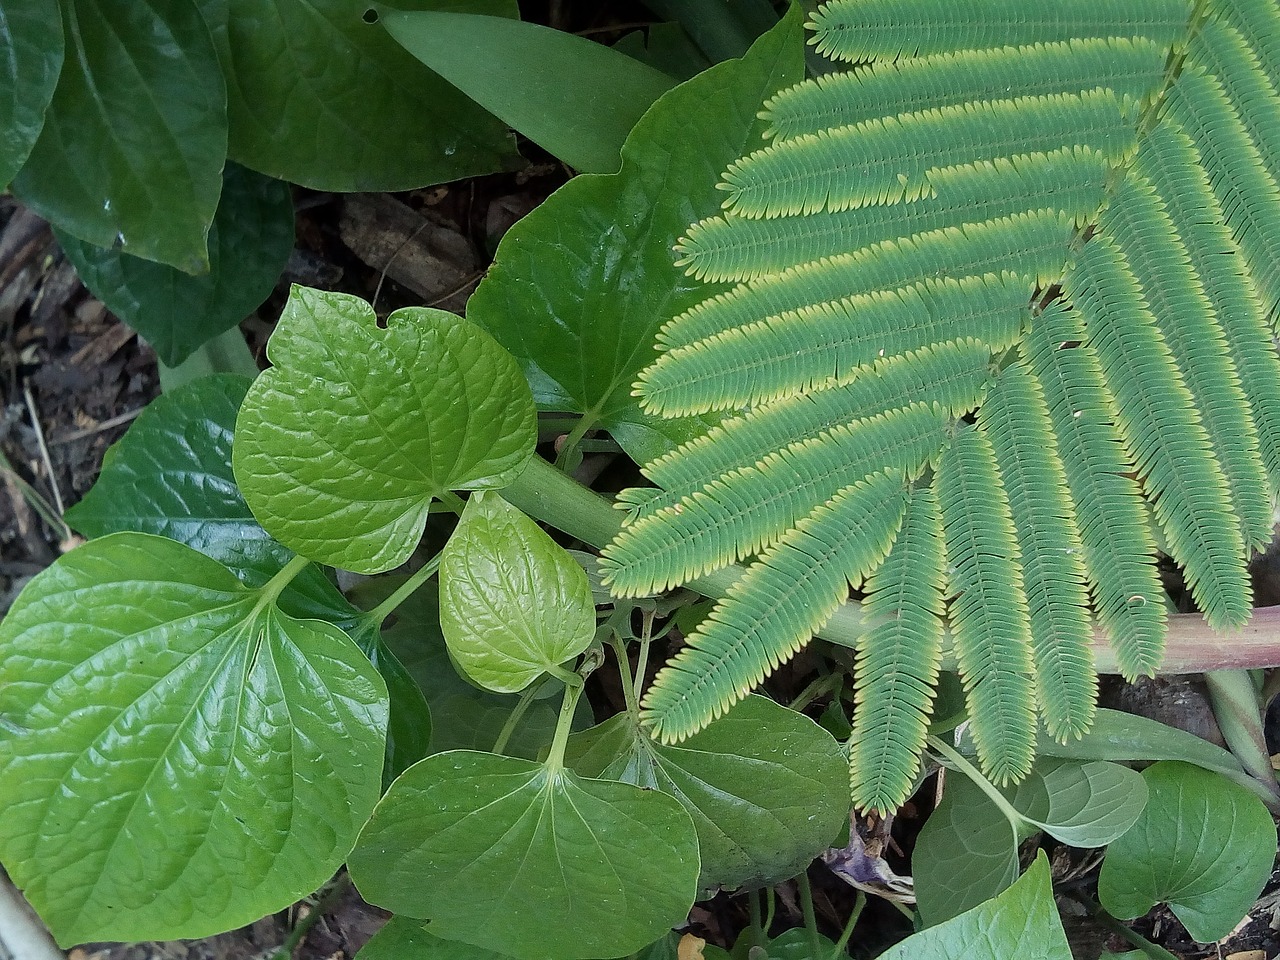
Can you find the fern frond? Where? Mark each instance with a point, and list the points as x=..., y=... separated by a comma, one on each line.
x=887, y=160
x=1015, y=419
x=858, y=30
x=735, y=516
x=1168, y=241
x=990, y=624
x=1034, y=244
x=1118, y=549
x=1248, y=194
x=777, y=606
x=803, y=349
x=953, y=376
x=1131, y=69
x=1071, y=180
x=898, y=660
x=1158, y=421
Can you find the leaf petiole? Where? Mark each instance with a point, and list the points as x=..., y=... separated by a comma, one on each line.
x=555, y=757
x=955, y=760
x=405, y=590
x=517, y=714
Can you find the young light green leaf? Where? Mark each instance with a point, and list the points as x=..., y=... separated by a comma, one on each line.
x=313, y=91
x=249, y=244
x=134, y=141
x=1022, y=922
x=967, y=853
x=582, y=284
x=342, y=445
x=171, y=475
x=575, y=98
x=524, y=860
x=31, y=48
x=767, y=788
x=180, y=757
x=1204, y=845
x=1085, y=804
x=513, y=603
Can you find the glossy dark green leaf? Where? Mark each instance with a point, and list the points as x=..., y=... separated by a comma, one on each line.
x=1086, y=804
x=1022, y=922
x=966, y=853
x=249, y=244
x=170, y=475
x=318, y=96
x=529, y=861
x=513, y=603
x=665, y=47
x=179, y=756
x=581, y=285
x=1204, y=845
x=767, y=788
x=721, y=28
x=797, y=944
x=134, y=141
x=573, y=97
x=409, y=722
x=31, y=47
x=406, y=939
x=342, y=445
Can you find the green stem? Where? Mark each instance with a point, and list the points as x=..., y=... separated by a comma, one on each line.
x=405, y=590
x=1115, y=926
x=824, y=684
x=328, y=898
x=624, y=672
x=757, y=916
x=842, y=945
x=555, y=757
x=275, y=586
x=452, y=501
x=585, y=423
x=1191, y=645
x=810, y=920
x=955, y=760
x=1239, y=714
x=517, y=714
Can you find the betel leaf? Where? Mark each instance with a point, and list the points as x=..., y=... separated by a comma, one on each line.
x=31, y=48
x=134, y=141
x=966, y=853
x=170, y=475
x=179, y=757
x=513, y=603
x=529, y=861
x=1204, y=845
x=409, y=722
x=1022, y=922
x=1086, y=804
x=581, y=285
x=342, y=445
x=575, y=98
x=249, y=244
x=318, y=96
x=767, y=788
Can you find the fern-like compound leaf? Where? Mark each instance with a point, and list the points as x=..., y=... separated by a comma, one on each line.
x=1071, y=180
x=861, y=30
x=1116, y=543
x=1130, y=69
x=1015, y=419
x=778, y=604
x=1162, y=430
x=751, y=508
x=898, y=660
x=990, y=623
x=891, y=157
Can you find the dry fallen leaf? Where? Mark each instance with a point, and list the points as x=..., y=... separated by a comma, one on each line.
x=690, y=947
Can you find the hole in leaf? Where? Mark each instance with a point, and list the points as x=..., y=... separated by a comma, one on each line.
x=370, y=16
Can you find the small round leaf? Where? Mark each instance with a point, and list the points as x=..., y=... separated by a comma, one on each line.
x=342, y=445
x=513, y=603
x=514, y=857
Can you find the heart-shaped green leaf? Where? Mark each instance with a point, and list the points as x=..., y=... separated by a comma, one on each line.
x=171, y=475
x=342, y=445
x=581, y=285
x=525, y=860
x=31, y=47
x=1085, y=804
x=1022, y=922
x=1203, y=845
x=318, y=96
x=249, y=244
x=134, y=141
x=966, y=853
x=767, y=788
x=575, y=98
x=179, y=757
x=513, y=603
